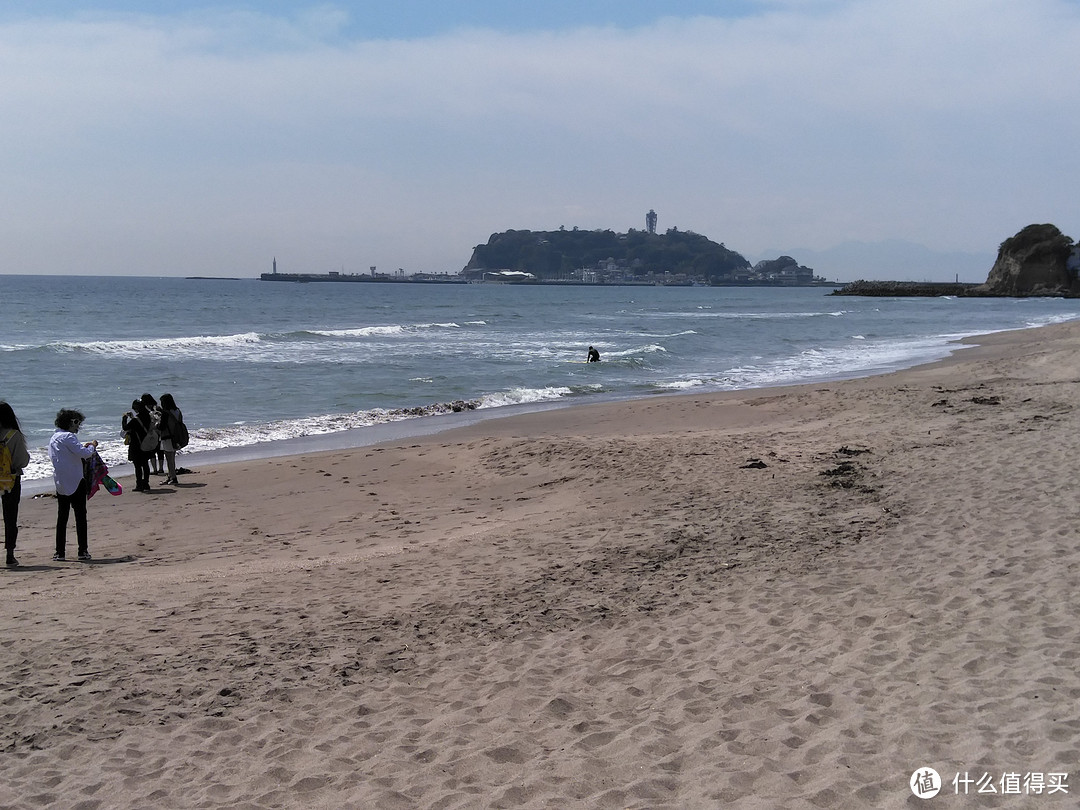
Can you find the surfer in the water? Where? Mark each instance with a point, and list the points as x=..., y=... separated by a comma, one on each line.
x=594, y=355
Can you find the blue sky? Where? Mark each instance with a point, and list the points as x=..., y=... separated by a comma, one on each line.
x=173, y=138
x=408, y=19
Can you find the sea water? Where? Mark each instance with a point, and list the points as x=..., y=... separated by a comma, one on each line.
x=274, y=365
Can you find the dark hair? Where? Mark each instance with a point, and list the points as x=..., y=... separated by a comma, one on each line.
x=167, y=402
x=8, y=420
x=66, y=418
x=148, y=400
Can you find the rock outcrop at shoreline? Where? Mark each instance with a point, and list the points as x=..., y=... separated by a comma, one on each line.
x=1034, y=262
x=457, y=406
x=1038, y=261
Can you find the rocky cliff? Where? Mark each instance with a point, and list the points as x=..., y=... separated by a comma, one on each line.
x=1039, y=260
x=1033, y=262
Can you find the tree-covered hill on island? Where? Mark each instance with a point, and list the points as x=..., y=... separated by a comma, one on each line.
x=567, y=254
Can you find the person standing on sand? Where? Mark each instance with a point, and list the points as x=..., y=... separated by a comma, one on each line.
x=170, y=417
x=138, y=424
x=12, y=437
x=157, y=457
x=67, y=453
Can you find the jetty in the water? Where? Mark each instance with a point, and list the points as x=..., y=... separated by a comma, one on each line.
x=906, y=288
x=367, y=278
x=419, y=278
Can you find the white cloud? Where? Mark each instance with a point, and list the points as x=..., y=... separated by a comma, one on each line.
x=219, y=140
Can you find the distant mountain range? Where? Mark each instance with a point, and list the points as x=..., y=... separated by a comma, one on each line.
x=891, y=259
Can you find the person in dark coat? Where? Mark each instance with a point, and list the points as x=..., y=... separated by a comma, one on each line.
x=157, y=457
x=142, y=442
x=171, y=416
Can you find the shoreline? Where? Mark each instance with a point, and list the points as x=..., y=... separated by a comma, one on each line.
x=784, y=597
x=399, y=430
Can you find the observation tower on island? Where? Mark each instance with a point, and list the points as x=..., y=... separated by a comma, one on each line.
x=650, y=221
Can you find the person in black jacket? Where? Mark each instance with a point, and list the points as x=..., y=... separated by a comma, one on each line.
x=171, y=417
x=157, y=457
x=142, y=442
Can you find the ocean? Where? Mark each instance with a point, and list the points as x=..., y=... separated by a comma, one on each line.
x=268, y=368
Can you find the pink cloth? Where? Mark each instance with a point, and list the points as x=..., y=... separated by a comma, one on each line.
x=96, y=470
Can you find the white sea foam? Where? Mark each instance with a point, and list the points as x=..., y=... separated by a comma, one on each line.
x=1046, y=320
x=751, y=316
x=683, y=333
x=677, y=385
x=362, y=331
x=519, y=396
x=167, y=347
x=858, y=358
x=650, y=348
x=392, y=330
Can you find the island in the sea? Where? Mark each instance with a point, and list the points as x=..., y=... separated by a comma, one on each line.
x=599, y=257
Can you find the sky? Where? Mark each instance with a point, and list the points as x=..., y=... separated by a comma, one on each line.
x=171, y=138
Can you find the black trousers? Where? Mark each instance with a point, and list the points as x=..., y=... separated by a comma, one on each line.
x=11, y=513
x=141, y=461
x=75, y=502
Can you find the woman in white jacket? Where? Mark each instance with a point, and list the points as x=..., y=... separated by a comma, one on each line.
x=67, y=453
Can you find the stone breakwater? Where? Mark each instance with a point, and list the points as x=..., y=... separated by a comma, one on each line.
x=907, y=288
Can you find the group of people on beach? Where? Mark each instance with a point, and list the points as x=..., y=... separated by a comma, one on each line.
x=152, y=432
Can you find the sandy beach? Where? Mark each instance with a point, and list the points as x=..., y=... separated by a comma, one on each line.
x=783, y=598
